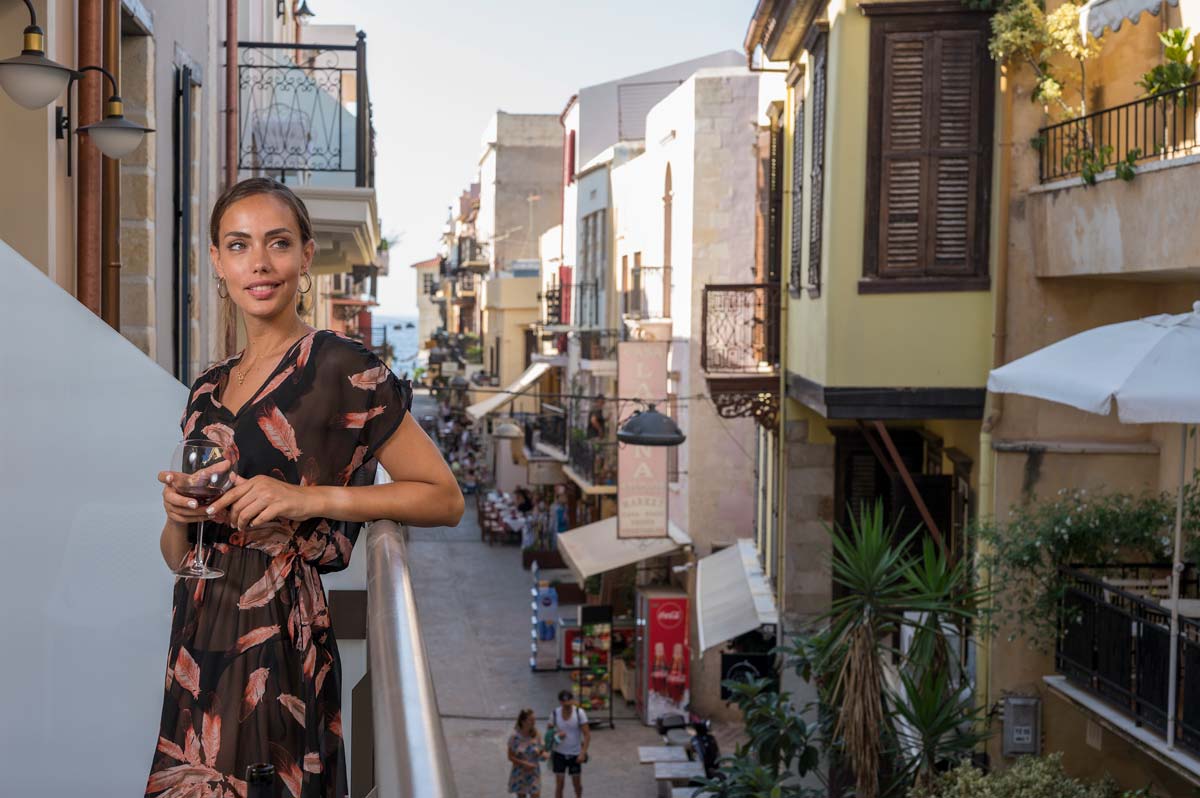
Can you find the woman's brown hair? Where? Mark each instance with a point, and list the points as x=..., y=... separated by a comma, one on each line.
x=251, y=187
x=521, y=716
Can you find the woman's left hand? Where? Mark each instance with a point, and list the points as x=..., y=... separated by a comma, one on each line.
x=259, y=500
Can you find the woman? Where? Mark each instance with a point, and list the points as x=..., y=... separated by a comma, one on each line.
x=253, y=673
x=526, y=754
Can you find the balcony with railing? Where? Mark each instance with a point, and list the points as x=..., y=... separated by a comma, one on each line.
x=1113, y=649
x=1137, y=162
x=304, y=118
x=599, y=346
x=739, y=349
x=551, y=429
x=550, y=303
x=592, y=464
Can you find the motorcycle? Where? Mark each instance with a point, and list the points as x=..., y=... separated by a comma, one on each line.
x=695, y=735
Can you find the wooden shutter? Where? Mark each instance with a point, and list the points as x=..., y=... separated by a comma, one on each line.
x=796, y=279
x=929, y=149
x=817, y=169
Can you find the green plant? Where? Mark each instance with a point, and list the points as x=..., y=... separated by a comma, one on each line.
x=1180, y=65
x=1127, y=169
x=591, y=585
x=779, y=748
x=1029, y=777
x=1089, y=161
x=1077, y=527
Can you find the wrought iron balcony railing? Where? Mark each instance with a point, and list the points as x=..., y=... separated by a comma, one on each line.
x=1114, y=642
x=1153, y=128
x=741, y=329
x=551, y=301
x=648, y=295
x=599, y=344
x=552, y=427
x=294, y=118
x=595, y=461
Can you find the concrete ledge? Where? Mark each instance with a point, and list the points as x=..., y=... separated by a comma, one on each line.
x=1145, y=740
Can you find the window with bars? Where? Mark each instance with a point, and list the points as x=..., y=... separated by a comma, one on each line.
x=796, y=281
x=428, y=285
x=817, y=52
x=929, y=153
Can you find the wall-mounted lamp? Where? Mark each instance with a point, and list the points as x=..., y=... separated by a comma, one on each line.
x=304, y=13
x=114, y=135
x=31, y=79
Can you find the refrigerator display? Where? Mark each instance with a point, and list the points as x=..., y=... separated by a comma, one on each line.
x=663, y=654
x=544, y=645
x=591, y=663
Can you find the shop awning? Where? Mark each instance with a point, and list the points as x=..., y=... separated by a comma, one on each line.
x=595, y=548
x=498, y=400
x=1097, y=15
x=732, y=595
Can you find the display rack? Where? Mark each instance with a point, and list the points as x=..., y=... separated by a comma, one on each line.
x=591, y=664
x=544, y=646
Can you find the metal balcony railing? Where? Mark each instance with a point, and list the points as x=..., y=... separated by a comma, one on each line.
x=595, y=461
x=552, y=427
x=599, y=344
x=293, y=119
x=648, y=295
x=741, y=328
x=551, y=301
x=1158, y=127
x=1114, y=642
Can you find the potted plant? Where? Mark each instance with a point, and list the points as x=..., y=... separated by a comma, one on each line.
x=591, y=587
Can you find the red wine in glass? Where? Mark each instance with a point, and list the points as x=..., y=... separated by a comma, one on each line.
x=203, y=471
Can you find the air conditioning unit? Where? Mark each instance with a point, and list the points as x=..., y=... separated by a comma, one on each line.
x=1022, y=726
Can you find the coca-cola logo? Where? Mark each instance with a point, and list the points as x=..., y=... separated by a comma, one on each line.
x=669, y=616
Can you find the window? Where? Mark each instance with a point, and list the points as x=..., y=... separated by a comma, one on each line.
x=186, y=183
x=569, y=159
x=817, y=169
x=592, y=262
x=796, y=280
x=929, y=153
x=428, y=286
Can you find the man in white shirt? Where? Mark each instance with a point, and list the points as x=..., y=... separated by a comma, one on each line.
x=571, y=739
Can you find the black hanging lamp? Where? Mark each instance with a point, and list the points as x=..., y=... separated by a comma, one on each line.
x=650, y=428
x=31, y=79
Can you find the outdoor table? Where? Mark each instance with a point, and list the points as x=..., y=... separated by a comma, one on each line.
x=682, y=772
x=1188, y=608
x=650, y=754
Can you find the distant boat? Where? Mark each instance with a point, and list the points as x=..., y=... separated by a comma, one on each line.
x=409, y=326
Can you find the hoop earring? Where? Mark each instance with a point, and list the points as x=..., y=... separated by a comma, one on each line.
x=222, y=288
x=309, y=288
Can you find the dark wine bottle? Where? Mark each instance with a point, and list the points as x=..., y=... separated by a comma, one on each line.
x=260, y=781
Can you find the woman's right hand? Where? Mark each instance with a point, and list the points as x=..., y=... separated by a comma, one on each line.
x=181, y=509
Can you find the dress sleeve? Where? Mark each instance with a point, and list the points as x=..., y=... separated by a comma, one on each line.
x=374, y=400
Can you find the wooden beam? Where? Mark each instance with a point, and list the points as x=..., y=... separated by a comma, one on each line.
x=912, y=488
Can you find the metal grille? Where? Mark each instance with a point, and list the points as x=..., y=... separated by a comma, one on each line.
x=797, y=251
x=741, y=328
x=817, y=176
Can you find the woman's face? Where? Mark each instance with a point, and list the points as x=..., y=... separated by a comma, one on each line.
x=261, y=256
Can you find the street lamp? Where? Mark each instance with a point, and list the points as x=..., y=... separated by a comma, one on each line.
x=304, y=13
x=114, y=135
x=650, y=428
x=31, y=79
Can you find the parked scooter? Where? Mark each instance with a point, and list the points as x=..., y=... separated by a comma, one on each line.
x=694, y=735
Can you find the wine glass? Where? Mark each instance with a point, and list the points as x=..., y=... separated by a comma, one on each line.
x=203, y=471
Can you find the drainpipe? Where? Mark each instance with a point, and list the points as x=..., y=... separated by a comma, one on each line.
x=228, y=316
x=87, y=178
x=110, y=245
x=993, y=409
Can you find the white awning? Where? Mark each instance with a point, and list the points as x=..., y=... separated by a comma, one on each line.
x=732, y=595
x=501, y=398
x=1097, y=15
x=595, y=548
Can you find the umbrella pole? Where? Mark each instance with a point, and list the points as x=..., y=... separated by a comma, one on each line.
x=1176, y=573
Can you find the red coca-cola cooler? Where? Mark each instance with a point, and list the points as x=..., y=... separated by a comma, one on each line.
x=662, y=653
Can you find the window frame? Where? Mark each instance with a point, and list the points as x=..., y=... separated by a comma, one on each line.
x=925, y=17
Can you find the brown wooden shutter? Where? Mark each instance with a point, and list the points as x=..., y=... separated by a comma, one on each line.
x=817, y=169
x=929, y=149
x=796, y=279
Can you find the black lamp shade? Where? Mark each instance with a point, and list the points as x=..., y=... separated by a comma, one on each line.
x=650, y=428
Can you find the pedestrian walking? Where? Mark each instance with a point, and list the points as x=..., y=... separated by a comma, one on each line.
x=526, y=754
x=572, y=736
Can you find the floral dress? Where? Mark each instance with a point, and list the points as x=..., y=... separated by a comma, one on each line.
x=253, y=673
x=523, y=780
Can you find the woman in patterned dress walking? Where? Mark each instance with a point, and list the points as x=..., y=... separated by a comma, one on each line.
x=253, y=673
x=526, y=754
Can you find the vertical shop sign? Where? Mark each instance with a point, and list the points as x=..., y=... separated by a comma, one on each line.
x=641, y=470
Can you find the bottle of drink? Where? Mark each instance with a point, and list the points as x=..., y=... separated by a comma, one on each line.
x=675, y=679
x=658, y=674
x=260, y=781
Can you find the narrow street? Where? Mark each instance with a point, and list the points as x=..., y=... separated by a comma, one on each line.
x=473, y=601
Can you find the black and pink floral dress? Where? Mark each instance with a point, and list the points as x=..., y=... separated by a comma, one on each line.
x=253, y=673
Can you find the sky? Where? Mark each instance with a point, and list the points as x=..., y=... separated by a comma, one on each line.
x=438, y=71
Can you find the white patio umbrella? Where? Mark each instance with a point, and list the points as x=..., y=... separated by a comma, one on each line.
x=1151, y=369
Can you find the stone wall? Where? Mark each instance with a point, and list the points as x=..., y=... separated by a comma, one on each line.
x=138, y=177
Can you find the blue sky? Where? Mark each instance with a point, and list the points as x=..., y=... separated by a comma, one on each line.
x=438, y=71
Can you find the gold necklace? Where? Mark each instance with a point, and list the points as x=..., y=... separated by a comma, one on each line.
x=241, y=376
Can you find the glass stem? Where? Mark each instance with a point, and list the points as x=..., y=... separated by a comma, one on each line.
x=198, y=562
